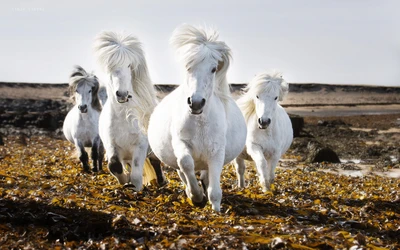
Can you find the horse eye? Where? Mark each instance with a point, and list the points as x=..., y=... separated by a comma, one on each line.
x=257, y=97
x=276, y=98
x=213, y=70
x=91, y=92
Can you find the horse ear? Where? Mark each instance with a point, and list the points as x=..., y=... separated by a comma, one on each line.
x=220, y=65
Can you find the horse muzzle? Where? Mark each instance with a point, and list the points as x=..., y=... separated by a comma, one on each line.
x=122, y=97
x=263, y=123
x=83, y=108
x=196, y=106
x=122, y=100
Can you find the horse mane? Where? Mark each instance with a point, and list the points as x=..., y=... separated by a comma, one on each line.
x=264, y=82
x=78, y=77
x=114, y=50
x=195, y=44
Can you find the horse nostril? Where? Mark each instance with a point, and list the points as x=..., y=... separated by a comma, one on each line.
x=84, y=106
x=259, y=121
x=203, y=102
x=268, y=121
x=118, y=94
x=189, y=101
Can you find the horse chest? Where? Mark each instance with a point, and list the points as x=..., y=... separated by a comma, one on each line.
x=87, y=129
x=203, y=137
x=125, y=136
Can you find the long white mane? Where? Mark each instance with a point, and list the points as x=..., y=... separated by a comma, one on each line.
x=261, y=83
x=114, y=50
x=197, y=44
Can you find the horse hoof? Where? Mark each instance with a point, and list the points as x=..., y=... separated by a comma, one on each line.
x=202, y=203
x=162, y=183
x=86, y=170
x=129, y=185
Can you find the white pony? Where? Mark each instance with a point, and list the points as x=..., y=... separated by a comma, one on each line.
x=131, y=99
x=199, y=126
x=81, y=123
x=270, y=131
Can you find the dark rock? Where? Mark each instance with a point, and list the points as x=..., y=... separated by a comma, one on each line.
x=322, y=123
x=332, y=123
x=320, y=153
x=297, y=124
x=373, y=151
x=277, y=243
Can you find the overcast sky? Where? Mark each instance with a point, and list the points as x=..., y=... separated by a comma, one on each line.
x=324, y=41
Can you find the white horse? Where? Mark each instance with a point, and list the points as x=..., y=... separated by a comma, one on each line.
x=270, y=131
x=131, y=99
x=199, y=126
x=81, y=123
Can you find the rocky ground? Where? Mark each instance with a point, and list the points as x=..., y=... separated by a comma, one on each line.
x=47, y=202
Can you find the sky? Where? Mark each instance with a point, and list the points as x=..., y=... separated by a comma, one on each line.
x=309, y=41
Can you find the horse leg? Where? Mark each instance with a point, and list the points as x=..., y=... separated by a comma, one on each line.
x=138, y=158
x=257, y=155
x=214, y=176
x=100, y=149
x=182, y=176
x=156, y=163
x=186, y=165
x=204, y=180
x=95, y=153
x=240, y=169
x=116, y=168
x=271, y=165
x=83, y=156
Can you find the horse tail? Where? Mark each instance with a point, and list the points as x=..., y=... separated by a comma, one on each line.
x=149, y=174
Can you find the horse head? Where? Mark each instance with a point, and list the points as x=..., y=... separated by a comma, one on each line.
x=267, y=91
x=206, y=61
x=120, y=83
x=121, y=55
x=84, y=87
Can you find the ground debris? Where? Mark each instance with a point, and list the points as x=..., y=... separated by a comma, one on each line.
x=46, y=202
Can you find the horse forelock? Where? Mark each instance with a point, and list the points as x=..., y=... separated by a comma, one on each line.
x=267, y=83
x=261, y=83
x=114, y=50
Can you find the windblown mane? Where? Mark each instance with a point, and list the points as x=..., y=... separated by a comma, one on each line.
x=197, y=44
x=78, y=77
x=114, y=50
x=264, y=82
